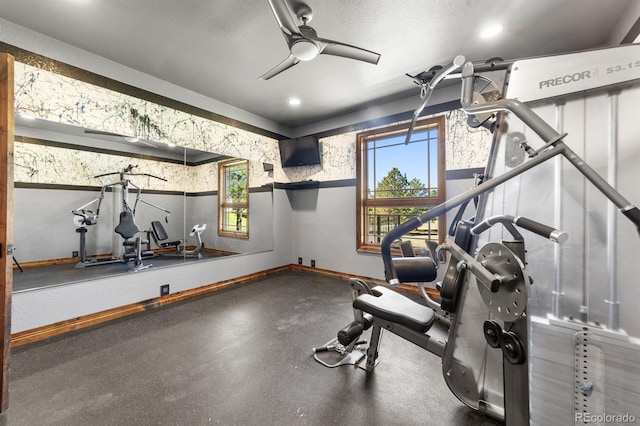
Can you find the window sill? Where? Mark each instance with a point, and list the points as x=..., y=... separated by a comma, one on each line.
x=375, y=249
x=368, y=249
x=239, y=235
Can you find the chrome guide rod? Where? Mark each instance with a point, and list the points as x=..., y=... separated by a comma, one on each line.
x=557, y=190
x=612, y=221
x=586, y=232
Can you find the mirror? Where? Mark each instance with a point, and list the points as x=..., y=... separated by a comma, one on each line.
x=60, y=172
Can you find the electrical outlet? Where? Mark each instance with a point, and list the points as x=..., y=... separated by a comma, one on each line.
x=74, y=254
x=313, y=263
x=299, y=261
x=164, y=290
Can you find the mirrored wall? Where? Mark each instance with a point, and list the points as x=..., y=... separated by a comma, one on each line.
x=75, y=187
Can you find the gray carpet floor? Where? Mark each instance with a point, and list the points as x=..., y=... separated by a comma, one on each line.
x=238, y=357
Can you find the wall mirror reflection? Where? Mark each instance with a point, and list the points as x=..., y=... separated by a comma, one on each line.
x=91, y=204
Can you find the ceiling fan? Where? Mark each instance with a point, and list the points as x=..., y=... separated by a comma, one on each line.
x=303, y=41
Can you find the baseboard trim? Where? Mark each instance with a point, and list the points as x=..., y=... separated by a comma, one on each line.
x=404, y=288
x=75, y=324
x=71, y=260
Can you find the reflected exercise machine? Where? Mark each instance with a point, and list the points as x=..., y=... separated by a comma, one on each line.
x=136, y=248
x=161, y=238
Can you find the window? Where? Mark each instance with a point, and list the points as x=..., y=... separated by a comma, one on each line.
x=233, y=198
x=397, y=181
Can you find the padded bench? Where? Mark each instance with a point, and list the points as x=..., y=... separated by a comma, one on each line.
x=392, y=306
x=160, y=236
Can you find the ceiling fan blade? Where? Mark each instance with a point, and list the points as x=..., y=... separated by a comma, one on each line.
x=282, y=66
x=335, y=48
x=284, y=16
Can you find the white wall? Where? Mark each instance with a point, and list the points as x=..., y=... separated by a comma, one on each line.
x=318, y=224
x=204, y=209
x=324, y=228
x=31, y=309
x=313, y=224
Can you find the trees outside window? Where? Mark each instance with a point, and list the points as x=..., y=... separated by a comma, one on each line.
x=233, y=198
x=397, y=181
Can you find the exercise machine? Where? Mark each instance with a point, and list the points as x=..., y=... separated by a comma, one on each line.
x=135, y=247
x=161, y=238
x=521, y=336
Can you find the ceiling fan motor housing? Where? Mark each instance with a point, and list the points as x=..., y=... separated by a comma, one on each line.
x=304, y=49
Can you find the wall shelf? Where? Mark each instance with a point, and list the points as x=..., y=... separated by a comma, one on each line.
x=305, y=184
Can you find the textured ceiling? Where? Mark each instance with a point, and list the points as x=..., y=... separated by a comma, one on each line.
x=218, y=48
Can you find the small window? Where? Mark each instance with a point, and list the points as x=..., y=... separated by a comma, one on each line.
x=397, y=181
x=233, y=198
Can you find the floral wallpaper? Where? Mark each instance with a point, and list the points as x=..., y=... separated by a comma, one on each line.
x=465, y=148
x=53, y=165
x=46, y=95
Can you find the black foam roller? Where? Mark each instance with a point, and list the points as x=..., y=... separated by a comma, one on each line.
x=350, y=333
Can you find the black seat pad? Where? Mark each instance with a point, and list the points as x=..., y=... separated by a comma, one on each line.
x=392, y=306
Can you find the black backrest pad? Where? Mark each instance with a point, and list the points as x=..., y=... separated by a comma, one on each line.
x=159, y=231
x=453, y=279
x=127, y=227
x=415, y=269
x=463, y=235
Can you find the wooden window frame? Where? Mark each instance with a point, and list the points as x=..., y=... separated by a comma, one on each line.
x=362, y=202
x=222, y=204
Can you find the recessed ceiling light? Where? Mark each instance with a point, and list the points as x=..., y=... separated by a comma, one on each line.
x=131, y=139
x=294, y=102
x=491, y=31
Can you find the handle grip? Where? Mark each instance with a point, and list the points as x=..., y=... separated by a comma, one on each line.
x=508, y=221
x=545, y=231
x=411, y=126
x=481, y=227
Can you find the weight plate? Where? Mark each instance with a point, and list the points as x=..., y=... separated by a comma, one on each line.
x=510, y=301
